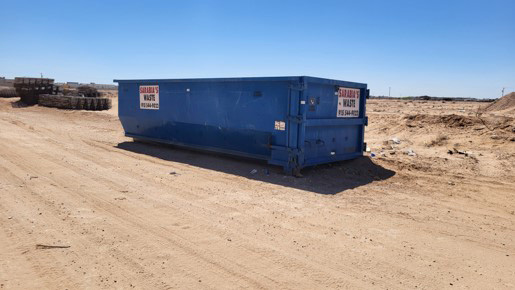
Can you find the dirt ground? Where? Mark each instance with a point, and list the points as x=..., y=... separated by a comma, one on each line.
x=132, y=215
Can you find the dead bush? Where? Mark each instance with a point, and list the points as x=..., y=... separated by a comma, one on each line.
x=440, y=140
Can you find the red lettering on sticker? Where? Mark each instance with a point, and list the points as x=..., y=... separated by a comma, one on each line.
x=149, y=90
x=348, y=93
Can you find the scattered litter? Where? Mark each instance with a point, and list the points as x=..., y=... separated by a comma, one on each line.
x=396, y=140
x=44, y=247
x=253, y=171
x=461, y=152
x=368, y=149
x=410, y=152
x=372, y=154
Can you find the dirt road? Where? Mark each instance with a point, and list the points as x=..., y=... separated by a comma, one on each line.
x=144, y=216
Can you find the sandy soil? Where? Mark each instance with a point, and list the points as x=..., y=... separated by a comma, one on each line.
x=142, y=216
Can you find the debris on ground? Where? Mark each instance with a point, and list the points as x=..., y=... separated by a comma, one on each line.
x=456, y=151
x=440, y=140
x=44, y=247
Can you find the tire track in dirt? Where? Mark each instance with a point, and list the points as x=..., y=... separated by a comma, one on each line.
x=300, y=266
x=113, y=211
x=409, y=222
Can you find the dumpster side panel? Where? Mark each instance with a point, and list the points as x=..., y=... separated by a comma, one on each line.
x=234, y=117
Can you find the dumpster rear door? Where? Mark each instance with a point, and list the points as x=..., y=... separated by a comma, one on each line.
x=335, y=121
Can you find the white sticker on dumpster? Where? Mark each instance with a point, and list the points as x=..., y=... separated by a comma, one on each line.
x=149, y=97
x=280, y=125
x=348, y=103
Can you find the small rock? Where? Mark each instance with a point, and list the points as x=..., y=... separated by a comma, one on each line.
x=173, y=173
x=396, y=140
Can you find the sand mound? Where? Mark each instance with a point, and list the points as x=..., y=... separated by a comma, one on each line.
x=505, y=103
x=452, y=120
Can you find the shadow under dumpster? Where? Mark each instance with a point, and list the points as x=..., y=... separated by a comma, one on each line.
x=323, y=179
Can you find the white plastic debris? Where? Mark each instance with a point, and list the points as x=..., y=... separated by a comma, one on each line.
x=396, y=140
x=253, y=171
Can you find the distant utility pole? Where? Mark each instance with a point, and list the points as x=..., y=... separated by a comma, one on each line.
x=502, y=95
x=389, y=91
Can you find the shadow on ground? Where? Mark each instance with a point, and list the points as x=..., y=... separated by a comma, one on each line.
x=323, y=179
x=20, y=104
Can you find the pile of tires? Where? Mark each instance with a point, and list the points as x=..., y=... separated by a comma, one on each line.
x=29, y=89
x=8, y=93
x=75, y=102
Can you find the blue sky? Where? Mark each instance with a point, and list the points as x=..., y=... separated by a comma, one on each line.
x=440, y=48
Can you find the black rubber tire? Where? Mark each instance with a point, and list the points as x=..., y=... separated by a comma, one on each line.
x=93, y=106
x=74, y=101
x=109, y=104
x=87, y=103
x=80, y=103
x=55, y=101
x=8, y=93
x=100, y=104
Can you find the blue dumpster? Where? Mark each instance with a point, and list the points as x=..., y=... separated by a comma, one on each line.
x=293, y=122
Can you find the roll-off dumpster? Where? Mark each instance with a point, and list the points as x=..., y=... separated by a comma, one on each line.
x=293, y=122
